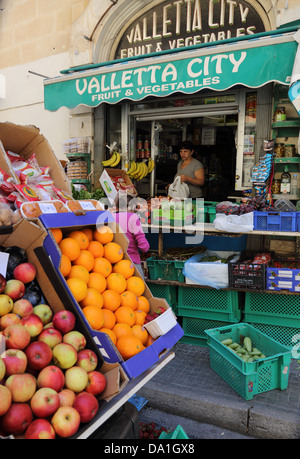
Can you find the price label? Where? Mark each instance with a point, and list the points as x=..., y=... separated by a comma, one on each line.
x=47, y=208
x=87, y=205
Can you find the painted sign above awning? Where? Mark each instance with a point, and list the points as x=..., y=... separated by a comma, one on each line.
x=250, y=63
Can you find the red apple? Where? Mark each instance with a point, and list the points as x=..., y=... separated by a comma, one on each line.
x=64, y=321
x=17, y=336
x=64, y=355
x=67, y=397
x=6, y=304
x=44, y=312
x=76, y=339
x=24, y=272
x=2, y=368
x=16, y=420
x=66, y=421
x=15, y=289
x=87, y=359
x=9, y=319
x=76, y=379
x=50, y=336
x=40, y=429
x=39, y=355
x=44, y=402
x=96, y=382
x=5, y=399
x=33, y=323
x=15, y=361
x=51, y=376
x=87, y=406
x=22, y=387
x=22, y=307
x=2, y=283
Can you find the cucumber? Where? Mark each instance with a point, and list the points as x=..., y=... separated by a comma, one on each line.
x=248, y=344
x=234, y=345
x=227, y=341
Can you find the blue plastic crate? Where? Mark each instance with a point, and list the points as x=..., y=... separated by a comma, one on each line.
x=275, y=221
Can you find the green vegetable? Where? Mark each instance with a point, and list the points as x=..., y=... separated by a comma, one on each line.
x=248, y=344
x=96, y=194
x=226, y=342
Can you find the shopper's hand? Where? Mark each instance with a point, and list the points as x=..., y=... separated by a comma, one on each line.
x=184, y=178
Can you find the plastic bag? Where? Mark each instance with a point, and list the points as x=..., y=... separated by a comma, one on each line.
x=178, y=189
x=234, y=223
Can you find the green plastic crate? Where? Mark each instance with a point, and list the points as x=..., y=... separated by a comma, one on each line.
x=194, y=330
x=165, y=269
x=178, y=434
x=274, y=309
x=211, y=213
x=249, y=378
x=168, y=292
x=209, y=303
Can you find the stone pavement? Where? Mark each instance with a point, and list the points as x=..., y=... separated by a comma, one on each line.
x=188, y=387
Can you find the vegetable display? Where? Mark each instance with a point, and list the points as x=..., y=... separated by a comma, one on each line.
x=246, y=352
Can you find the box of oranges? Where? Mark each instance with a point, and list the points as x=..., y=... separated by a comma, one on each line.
x=89, y=253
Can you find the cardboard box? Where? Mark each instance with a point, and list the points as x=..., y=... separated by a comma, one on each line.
x=26, y=140
x=31, y=236
x=152, y=354
x=108, y=186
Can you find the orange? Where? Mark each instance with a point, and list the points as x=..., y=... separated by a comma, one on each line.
x=125, y=315
x=122, y=330
x=113, y=252
x=150, y=340
x=111, y=299
x=88, y=232
x=78, y=288
x=136, y=284
x=57, y=234
x=92, y=298
x=94, y=316
x=116, y=282
x=102, y=266
x=128, y=346
x=96, y=248
x=143, y=304
x=140, y=333
x=85, y=259
x=79, y=271
x=124, y=267
x=97, y=281
x=103, y=234
x=140, y=317
x=69, y=247
x=65, y=265
x=110, y=333
x=80, y=237
x=109, y=318
x=129, y=299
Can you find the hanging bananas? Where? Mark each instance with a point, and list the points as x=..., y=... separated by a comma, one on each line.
x=140, y=170
x=113, y=160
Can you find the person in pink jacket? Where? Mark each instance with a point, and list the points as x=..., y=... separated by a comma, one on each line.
x=131, y=225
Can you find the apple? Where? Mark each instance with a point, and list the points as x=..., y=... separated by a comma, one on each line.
x=17, y=336
x=39, y=355
x=15, y=289
x=22, y=387
x=64, y=355
x=67, y=397
x=66, y=421
x=51, y=376
x=44, y=312
x=2, y=283
x=50, y=336
x=2, y=368
x=25, y=272
x=33, y=323
x=5, y=399
x=15, y=361
x=87, y=359
x=76, y=339
x=22, y=307
x=44, y=402
x=96, y=382
x=87, y=406
x=6, y=304
x=9, y=319
x=40, y=429
x=16, y=420
x=76, y=378
x=64, y=321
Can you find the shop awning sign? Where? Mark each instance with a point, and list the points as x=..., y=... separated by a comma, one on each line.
x=250, y=63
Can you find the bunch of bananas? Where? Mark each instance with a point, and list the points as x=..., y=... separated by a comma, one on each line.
x=139, y=170
x=113, y=160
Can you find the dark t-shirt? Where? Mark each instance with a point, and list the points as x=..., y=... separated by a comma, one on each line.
x=195, y=164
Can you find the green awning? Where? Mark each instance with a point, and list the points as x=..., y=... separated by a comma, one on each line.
x=249, y=62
